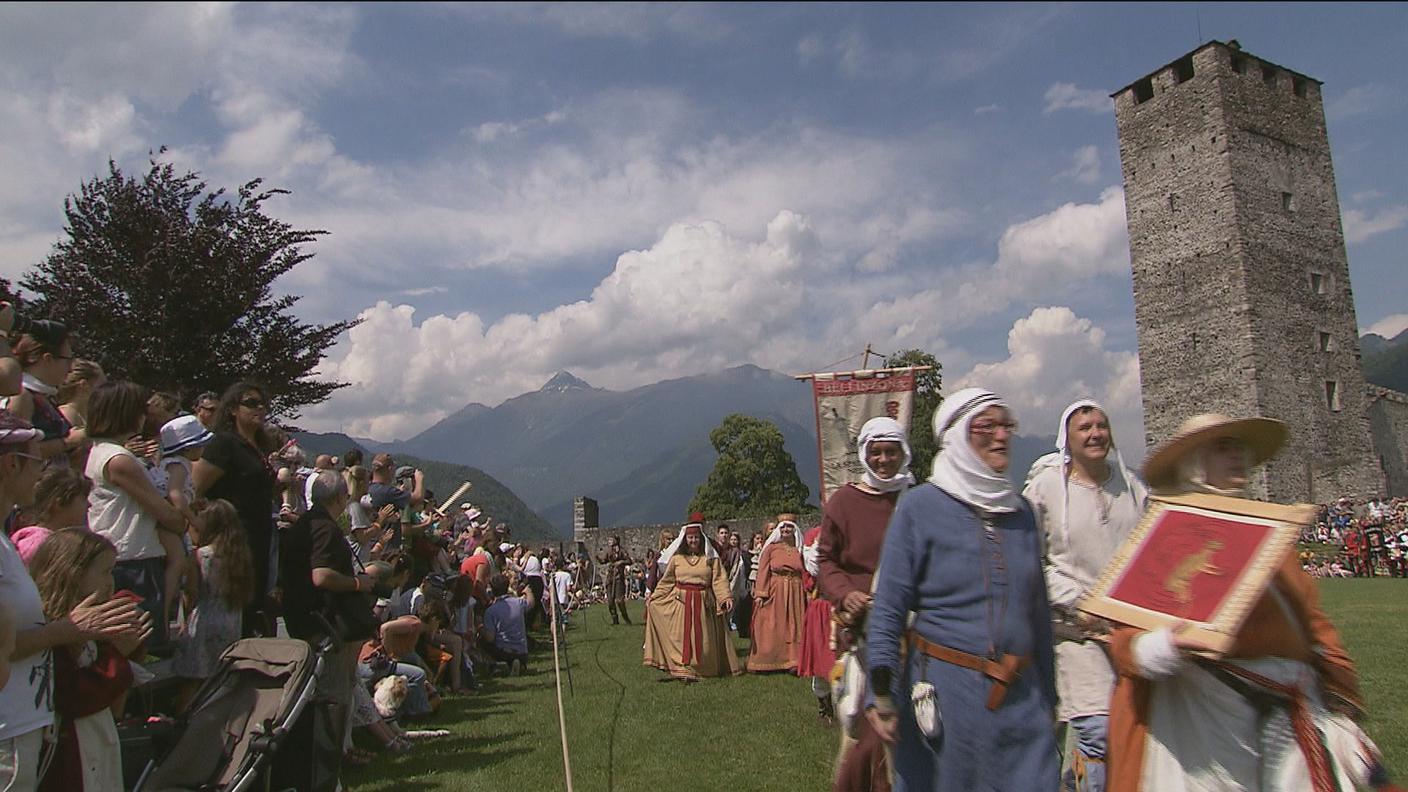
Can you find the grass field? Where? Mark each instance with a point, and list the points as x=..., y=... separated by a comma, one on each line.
x=629, y=732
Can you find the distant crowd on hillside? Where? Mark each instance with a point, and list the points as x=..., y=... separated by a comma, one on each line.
x=1365, y=538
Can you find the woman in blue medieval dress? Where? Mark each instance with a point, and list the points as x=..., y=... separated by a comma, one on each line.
x=970, y=703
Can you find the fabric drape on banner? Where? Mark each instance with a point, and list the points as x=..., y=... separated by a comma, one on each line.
x=844, y=402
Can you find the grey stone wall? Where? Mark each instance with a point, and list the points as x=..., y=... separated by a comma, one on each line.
x=637, y=538
x=1241, y=283
x=1388, y=415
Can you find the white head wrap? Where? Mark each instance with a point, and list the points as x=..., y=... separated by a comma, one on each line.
x=885, y=429
x=776, y=535
x=1062, y=458
x=957, y=468
x=669, y=552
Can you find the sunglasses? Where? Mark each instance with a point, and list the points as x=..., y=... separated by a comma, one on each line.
x=253, y=404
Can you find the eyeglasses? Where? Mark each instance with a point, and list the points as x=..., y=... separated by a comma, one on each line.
x=205, y=408
x=253, y=404
x=991, y=427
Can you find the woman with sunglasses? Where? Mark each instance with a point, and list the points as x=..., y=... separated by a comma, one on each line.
x=234, y=468
x=45, y=353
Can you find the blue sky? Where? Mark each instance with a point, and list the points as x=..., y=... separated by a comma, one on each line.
x=635, y=192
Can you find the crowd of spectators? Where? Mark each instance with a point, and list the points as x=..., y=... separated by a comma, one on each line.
x=146, y=533
x=1350, y=538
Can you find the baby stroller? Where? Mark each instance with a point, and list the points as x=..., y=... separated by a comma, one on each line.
x=240, y=719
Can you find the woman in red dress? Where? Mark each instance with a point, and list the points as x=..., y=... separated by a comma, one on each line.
x=779, y=602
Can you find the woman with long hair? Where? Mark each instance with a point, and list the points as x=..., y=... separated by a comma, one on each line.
x=90, y=677
x=234, y=468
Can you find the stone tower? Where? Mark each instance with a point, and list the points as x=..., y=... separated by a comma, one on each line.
x=1241, y=284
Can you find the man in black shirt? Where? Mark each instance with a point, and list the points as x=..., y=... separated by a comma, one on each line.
x=316, y=567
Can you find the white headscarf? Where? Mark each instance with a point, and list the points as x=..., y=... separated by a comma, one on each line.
x=1062, y=457
x=669, y=552
x=957, y=468
x=884, y=429
x=776, y=535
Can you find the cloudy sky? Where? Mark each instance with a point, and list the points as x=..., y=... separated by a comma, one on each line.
x=636, y=192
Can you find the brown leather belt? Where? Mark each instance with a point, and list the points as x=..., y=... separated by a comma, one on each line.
x=1002, y=672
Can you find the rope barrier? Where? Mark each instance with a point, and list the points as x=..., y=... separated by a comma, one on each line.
x=557, y=676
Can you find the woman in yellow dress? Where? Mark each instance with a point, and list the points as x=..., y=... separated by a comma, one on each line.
x=686, y=630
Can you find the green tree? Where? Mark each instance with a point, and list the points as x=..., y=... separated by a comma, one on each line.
x=928, y=387
x=754, y=476
x=170, y=286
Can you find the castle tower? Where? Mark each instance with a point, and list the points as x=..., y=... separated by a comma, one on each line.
x=1241, y=283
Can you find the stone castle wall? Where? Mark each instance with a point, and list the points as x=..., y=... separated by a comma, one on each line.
x=1242, y=295
x=1388, y=415
x=636, y=539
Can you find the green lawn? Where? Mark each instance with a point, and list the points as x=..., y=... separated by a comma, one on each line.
x=1372, y=616
x=627, y=731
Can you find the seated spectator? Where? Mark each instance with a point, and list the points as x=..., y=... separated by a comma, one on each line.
x=60, y=501
x=505, y=635
x=91, y=678
x=439, y=647
x=383, y=656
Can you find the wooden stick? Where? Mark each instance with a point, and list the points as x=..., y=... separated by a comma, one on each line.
x=866, y=372
x=450, y=501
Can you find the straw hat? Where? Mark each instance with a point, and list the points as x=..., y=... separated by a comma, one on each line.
x=1264, y=436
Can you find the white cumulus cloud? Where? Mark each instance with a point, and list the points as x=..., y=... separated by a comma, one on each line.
x=1054, y=358
x=1359, y=224
x=1389, y=326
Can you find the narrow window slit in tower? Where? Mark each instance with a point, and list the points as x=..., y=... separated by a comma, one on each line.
x=1288, y=202
x=1324, y=341
x=1332, y=395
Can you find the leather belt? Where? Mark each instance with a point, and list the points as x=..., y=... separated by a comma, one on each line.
x=1003, y=672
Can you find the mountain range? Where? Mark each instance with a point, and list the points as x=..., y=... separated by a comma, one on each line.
x=1385, y=360
x=491, y=496
x=639, y=453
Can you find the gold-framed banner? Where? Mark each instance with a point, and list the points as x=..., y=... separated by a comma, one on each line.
x=1200, y=559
